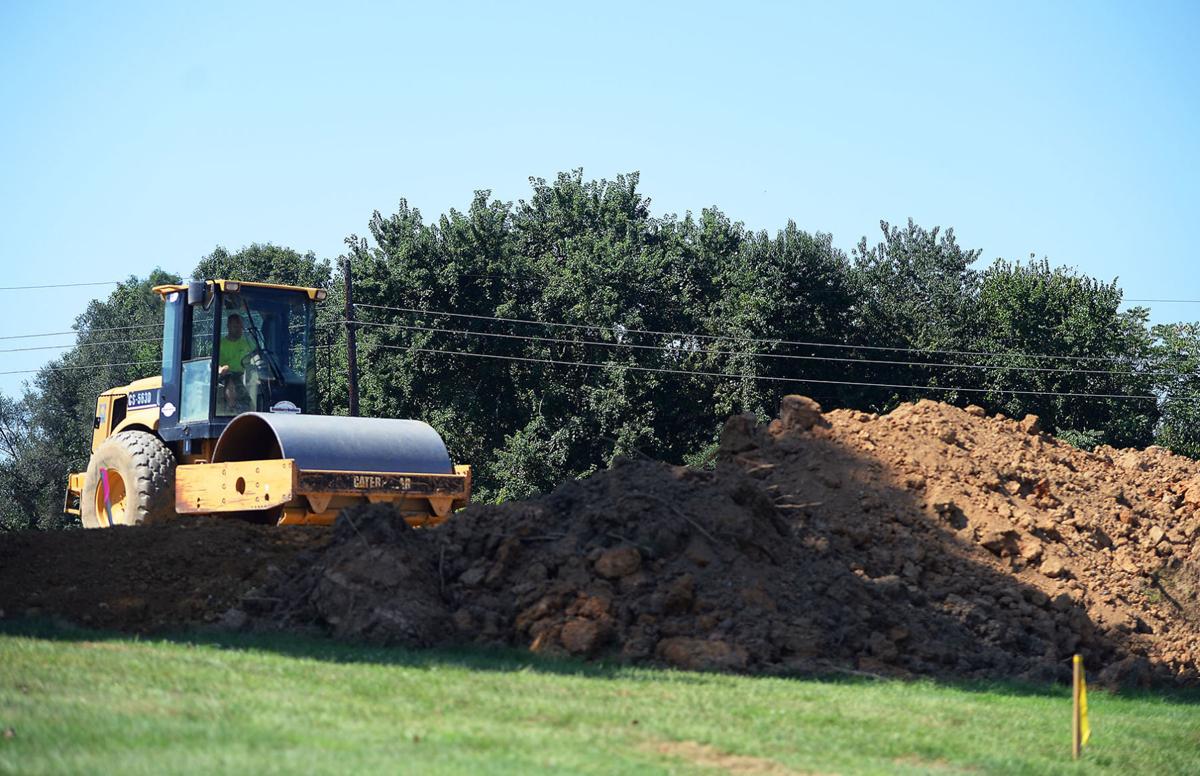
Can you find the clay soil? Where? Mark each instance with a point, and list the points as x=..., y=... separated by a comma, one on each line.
x=932, y=541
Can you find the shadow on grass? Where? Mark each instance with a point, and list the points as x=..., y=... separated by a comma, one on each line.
x=507, y=660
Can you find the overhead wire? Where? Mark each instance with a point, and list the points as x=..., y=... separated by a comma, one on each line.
x=622, y=330
x=81, y=366
x=791, y=356
x=157, y=340
x=626, y=330
x=86, y=332
x=62, y=285
x=157, y=325
x=814, y=381
x=82, y=345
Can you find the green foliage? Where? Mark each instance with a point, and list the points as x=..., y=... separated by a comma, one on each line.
x=264, y=263
x=665, y=326
x=914, y=288
x=1176, y=358
x=1035, y=309
x=1085, y=439
x=586, y=254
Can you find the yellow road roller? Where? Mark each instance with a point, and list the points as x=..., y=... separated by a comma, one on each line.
x=226, y=429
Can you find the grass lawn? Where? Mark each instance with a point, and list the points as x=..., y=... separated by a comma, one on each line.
x=79, y=701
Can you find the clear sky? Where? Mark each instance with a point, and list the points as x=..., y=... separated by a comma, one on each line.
x=143, y=135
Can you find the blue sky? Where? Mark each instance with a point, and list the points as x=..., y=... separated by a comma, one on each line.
x=142, y=135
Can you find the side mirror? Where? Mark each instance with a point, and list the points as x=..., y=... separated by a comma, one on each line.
x=196, y=289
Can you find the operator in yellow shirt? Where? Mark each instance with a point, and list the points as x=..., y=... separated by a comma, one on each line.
x=234, y=348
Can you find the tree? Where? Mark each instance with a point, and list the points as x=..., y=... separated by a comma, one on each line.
x=1084, y=344
x=264, y=263
x=47, y=434
x=1175, y=360
x=546, y=337
x=913, y=291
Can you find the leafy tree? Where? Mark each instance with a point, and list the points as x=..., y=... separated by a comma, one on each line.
x=264, y=263
x=1176, y=362
x=663, y=326
x=21, y=484
x=913, y=290
x=47, y=434
x=1083, y=344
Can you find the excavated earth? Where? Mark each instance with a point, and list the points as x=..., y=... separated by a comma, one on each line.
x=931, y=541
x=146, y=578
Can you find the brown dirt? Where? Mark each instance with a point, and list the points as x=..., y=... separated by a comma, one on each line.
x=930, y=541
x=144, y=578
x=710, y=757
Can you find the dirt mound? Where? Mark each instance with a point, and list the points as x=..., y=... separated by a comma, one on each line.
x=377, y=580
x=931, y=541
x=144, y=578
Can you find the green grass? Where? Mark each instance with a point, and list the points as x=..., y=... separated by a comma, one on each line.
x=98, y=703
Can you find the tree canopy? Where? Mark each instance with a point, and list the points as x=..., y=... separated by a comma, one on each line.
x=544, y=338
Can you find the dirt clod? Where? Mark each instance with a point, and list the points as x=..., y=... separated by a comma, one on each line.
x=618, y=562
x=800, y=413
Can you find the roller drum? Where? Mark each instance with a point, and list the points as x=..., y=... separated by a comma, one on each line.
x=332, y=443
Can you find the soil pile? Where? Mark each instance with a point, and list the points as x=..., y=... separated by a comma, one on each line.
x=931, y=541
x=145, y=578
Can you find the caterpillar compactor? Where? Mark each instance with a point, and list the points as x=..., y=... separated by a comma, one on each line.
x=226, y=428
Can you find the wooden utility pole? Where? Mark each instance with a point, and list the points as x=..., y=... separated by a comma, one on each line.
x=351, y=347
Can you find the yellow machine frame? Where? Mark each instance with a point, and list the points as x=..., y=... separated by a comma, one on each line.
x=301, y=496
x=275, y=489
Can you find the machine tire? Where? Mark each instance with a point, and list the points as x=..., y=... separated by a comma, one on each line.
x=143, y=488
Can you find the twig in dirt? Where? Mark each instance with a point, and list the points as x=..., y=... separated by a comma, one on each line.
x=677, y=512
x=764, y=550
x=441, y=566
x=618, y=537
x=540, y=537
x=1157, y=583
x=805, y=505
x=753, y=469
x=354, y=525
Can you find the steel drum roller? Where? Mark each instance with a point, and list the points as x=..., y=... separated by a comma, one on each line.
x=332, y=443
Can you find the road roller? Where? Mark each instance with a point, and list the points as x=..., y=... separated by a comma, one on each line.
x=227, y=430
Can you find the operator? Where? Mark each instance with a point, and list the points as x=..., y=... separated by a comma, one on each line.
x=234, y=348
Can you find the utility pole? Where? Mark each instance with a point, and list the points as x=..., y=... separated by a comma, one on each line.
x=351, y=348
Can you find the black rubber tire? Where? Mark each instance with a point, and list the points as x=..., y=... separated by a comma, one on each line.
x=146, y=468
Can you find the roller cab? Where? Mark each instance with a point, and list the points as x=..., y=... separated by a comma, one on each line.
x=294, y=469
x=225, y=428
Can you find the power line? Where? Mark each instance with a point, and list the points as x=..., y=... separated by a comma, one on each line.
x=82, y=345
x=81, y=331
x=62, y=285
x=69, y=368
x=661, y=348
x=778, y=379
x=621, y=330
